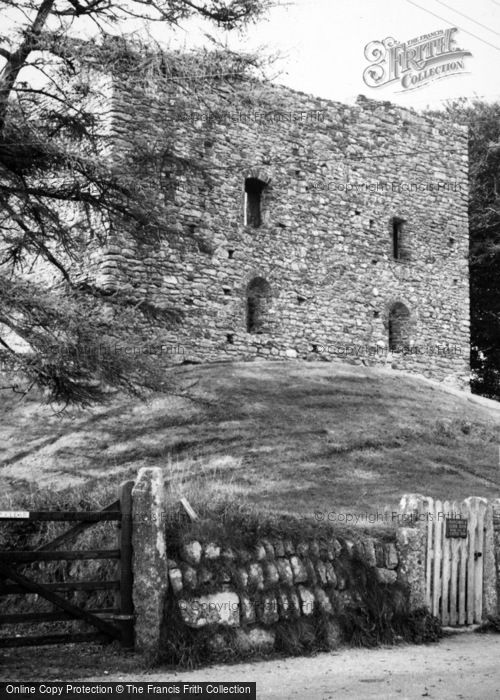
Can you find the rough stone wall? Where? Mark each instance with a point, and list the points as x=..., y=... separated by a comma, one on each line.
x=335, y=178
x=247, y=593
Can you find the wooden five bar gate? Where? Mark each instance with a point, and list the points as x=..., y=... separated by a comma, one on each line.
x=108, y=623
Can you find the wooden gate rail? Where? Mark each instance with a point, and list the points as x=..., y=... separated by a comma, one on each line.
x=85, y=516
x=26, y=557
x=45, y=639
x=109, y=623
x=11, y=618
x=76, y=529
x=60, y=602
x=13, y=589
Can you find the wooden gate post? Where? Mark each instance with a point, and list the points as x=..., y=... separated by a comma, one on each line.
x=126, y=617
x=495, y=506
x=149, y=559
x=490, y=592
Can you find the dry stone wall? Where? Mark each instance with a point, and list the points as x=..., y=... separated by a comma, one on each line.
x=243, y=586
x=338, y=185
x=237, y=598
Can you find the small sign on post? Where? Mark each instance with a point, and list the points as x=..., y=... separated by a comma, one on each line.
x=456, y=527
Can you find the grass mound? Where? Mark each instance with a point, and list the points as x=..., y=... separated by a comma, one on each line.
x=296, y=438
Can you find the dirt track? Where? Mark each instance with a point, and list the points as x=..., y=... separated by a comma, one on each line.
x=463, y=666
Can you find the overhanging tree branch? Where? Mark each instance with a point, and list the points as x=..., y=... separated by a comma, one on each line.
x=56, y=159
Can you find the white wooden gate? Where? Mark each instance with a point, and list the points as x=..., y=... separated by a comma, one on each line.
x=454, y=564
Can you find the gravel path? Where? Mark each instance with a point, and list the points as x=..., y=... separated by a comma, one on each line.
x=463, y=666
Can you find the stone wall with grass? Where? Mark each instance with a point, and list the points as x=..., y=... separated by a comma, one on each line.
x=282, y=594
x=239, y=583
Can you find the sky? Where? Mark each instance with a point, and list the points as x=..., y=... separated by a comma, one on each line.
x=321, y=46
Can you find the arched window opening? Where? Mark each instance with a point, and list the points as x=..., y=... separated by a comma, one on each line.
x=399, y=327
x=253, y=201
x=258, y=303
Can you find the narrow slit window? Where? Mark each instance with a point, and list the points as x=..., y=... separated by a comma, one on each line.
x=253, y=202
x=399, y=239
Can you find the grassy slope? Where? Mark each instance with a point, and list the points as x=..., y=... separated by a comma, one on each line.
x=290, y=437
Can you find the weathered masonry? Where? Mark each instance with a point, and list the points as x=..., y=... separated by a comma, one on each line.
x=312, y=229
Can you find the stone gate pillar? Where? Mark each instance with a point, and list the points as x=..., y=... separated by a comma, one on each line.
x=411, y=544
x=149, y=558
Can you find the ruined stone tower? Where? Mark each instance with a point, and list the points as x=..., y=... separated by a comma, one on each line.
x=312, y=230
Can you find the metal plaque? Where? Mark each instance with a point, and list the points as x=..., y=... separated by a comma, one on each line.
x=456, y=527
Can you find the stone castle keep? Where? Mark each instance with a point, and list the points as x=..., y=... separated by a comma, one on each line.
x=312, y=230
